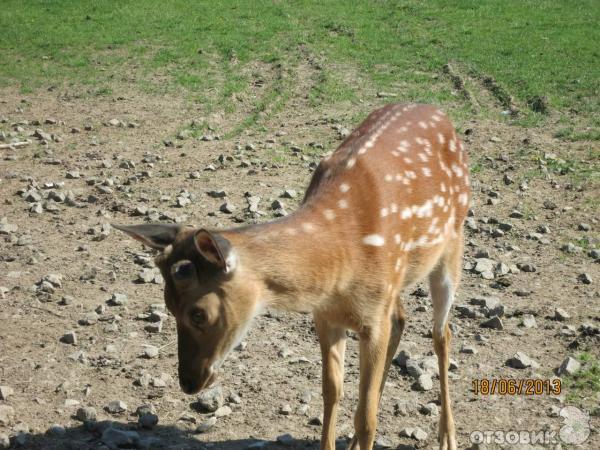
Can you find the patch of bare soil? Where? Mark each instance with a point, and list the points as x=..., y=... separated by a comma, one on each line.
x=100, y=160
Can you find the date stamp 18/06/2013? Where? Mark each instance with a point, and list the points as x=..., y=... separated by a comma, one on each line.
x=516, y=386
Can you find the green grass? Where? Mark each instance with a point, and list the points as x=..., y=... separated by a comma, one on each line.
x=583, y=387
x=530, y=47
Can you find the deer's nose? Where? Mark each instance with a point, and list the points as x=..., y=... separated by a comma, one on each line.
x=188, y=385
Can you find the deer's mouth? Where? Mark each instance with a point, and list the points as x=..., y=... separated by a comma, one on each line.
x=193, y=385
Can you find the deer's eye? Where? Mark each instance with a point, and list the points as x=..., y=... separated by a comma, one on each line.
x=182, y=270
x=199, y=318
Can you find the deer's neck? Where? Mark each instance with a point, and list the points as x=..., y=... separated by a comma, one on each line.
x=298, y=260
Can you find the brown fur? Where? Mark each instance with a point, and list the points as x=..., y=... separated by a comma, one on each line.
x=338, y=257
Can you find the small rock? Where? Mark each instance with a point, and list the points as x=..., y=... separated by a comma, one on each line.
x=117, y=439
x=150, y=351
x=145, y=409
x=183, y=201
x=56, y=430
x=516, y=214
x=494, y=323
x=155, y=327
x=423, y=383
x=4, y=441
x=382, y=442
x=530, y=268
x=118, y=300
x=484, y=265
x=69, y=338
x=223, y=411
x=528, y=321
x=227, y=208
x=217, y=194
x=86, y=414
x=413, y=368
x=570, y=248
x=289, y=193
x=54, y=279
x=406, y=432
x=584, y=227
x=7, y=413
x=148, y=421
x=210, y=399
x=419, y=434
x=316, y=420
x=285, y=410
x=286, y=439
x=585, y=278
x=89, y=319
x=570, y=366
x=521, y=361
x=5, y=392
x=116, y=407
x=206, y=425
x=150, y=276
x=429, y=409
x=468, y=349
x=561, y=315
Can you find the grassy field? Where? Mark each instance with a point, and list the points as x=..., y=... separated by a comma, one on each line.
x=531, y=48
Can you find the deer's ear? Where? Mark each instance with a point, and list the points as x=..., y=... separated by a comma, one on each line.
x=216, y=249
x=155, y=235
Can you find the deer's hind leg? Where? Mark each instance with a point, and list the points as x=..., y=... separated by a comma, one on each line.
x=443, y=282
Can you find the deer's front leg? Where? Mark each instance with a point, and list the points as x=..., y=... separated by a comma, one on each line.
x=373, y=355
x=333, y=347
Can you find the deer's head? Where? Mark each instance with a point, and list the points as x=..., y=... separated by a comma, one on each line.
x=207, y=291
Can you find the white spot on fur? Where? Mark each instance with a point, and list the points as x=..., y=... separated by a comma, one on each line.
x=425, y=210
x=388, y=177
x=329, y=214
x=397, y=238
x=384, y=212
x=463, y=199
x=403, y=146
x=393, y=208
x=407, y=160
x=406, y=213
x=343, y=204
x=397, y=266
x=422, y=124
x=422, y=157
x=452, y=145
x=344, y=187
x=376, y=240
x=308, y=227
x=350, y=164
x=426, y=171
x=441, y=138
x=457, y=170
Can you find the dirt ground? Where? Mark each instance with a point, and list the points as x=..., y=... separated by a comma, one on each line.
x=59, y=193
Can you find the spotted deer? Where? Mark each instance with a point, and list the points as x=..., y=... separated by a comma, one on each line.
x=382, y=212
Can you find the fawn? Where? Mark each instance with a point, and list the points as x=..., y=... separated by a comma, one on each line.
x=382, y=212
